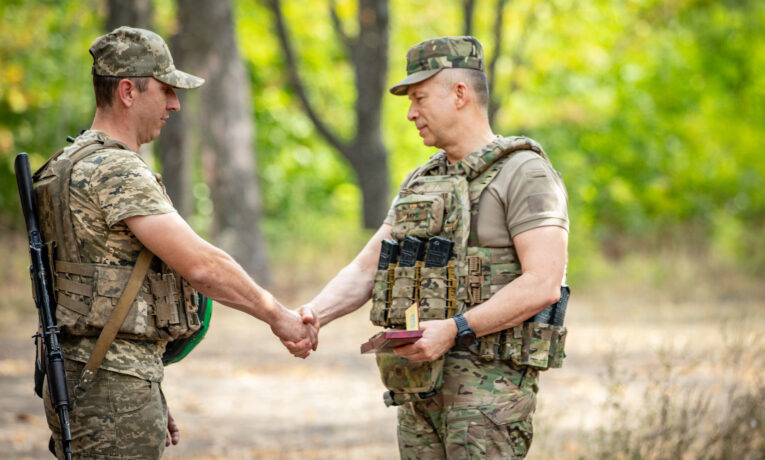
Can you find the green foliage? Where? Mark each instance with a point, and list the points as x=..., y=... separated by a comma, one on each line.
x=44, y=77
x=652, y=110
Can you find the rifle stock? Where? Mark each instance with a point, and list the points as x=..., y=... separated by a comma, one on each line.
x=44, y=301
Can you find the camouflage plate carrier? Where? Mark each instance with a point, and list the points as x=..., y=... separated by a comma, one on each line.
x=86, y=294
x=432, y=203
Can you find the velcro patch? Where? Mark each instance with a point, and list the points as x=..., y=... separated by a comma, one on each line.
x=542, y=202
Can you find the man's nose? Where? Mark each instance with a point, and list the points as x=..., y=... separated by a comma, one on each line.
x=412, y=113
x=172, y=102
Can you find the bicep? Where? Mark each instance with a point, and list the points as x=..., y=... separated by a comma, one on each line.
x=542, y=252
x=369, y=255
x=171, y=239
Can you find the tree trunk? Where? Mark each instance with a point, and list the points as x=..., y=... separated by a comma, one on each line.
x=226, y=118
x=175, y=143
x=133, y=13
x=368, y=155
x=366, y=152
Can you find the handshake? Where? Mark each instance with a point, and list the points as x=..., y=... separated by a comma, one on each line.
x=298, y=330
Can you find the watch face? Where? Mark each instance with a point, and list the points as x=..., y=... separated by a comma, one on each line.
x=466, y=339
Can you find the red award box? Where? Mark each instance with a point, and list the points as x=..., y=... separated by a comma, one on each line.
x=386, y=340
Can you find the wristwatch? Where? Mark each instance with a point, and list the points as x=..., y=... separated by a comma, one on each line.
x=465, y=335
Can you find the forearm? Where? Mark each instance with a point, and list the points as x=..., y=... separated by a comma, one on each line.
x=352, y=287
x=521, y=299
x=345, y=293
x=207, y=268
x=542, y=253
x=219, y=277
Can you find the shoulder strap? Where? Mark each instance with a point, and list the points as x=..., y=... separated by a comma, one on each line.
x=62, y=168
x=477, y=163
x=435, y=166
x=110, y=330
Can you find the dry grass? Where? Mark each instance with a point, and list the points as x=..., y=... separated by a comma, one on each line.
x=665, y=361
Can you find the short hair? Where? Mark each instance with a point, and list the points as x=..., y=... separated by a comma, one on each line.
x=475, y=79
x=104, y=86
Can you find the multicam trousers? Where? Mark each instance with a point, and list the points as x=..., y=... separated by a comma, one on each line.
x=120, y=416
x=483, y=411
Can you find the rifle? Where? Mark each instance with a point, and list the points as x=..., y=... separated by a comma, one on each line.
x=40, y=273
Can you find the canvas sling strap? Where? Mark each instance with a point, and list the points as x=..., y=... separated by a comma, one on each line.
x=110, y=330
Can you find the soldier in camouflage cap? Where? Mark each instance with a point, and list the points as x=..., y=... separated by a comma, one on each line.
x=467, y=388
x=113, y=209
x=430, y=57
x=132, y=52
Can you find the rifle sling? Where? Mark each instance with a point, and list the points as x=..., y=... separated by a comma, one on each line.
x=110, y=330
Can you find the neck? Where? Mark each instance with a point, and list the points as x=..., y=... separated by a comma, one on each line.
x=115, y=126
x=472, y=136
x=468, y=143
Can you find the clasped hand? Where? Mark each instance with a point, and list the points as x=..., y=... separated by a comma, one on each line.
x=302, y=332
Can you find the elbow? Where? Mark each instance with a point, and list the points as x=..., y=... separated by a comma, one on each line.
x=202, y=273
x=553, y=295
x=200, y=276
x=550, y=292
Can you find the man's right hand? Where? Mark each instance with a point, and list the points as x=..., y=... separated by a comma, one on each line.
x=298, y=331
x=302, y=348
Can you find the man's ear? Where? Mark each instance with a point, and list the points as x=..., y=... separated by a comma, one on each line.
x=462, y=95
x=126, y=91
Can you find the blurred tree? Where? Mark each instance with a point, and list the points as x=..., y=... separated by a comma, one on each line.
x=368, y=52
x=133, y=13
x=468, y=7
x=224, y=122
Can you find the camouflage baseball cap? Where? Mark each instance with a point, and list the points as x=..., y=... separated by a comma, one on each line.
x=131, y=52
x=426, y=59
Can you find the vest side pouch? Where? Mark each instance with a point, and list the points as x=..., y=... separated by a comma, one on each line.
x=434, y=293
x=402, y=294
x=401, y=375
x=108, y=284
x=380, y=296
x=418, y=215
x=189, y=309
x=542, y=345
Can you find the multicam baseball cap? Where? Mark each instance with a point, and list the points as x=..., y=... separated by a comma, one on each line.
x=426, y=59
x=131, y=52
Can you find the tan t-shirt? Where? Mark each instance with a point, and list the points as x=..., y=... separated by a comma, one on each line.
x=527, y=193
x=106, y=188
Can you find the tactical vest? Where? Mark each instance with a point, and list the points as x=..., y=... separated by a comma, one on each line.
x=434, y=203
x=86, y=294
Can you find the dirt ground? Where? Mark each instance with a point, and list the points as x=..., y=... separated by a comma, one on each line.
x=240, y=395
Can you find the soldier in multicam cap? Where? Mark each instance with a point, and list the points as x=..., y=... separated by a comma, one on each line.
x=467, y=388
x=103, y=211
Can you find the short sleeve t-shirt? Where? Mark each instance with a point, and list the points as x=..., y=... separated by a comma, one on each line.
x=105, y=188
x=527, y=193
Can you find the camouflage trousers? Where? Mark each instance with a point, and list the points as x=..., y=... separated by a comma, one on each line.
x=120, y=416
x=482, y=411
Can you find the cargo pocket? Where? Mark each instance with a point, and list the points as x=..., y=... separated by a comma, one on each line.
x=499, y=430
x=403, y=294
x=380, y=295
x=401, y=375
x=128, y=393
x=435, y=299
x=418, y=215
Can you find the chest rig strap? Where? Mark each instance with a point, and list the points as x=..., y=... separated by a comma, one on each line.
x=109, y=332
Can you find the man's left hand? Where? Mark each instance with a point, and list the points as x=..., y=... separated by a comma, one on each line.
x=173, y=435
x=437, y=338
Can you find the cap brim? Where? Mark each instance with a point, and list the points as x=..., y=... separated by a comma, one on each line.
x=179, y=79
x=402, y=87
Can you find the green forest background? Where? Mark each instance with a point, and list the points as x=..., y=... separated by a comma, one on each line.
x=653, y=111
